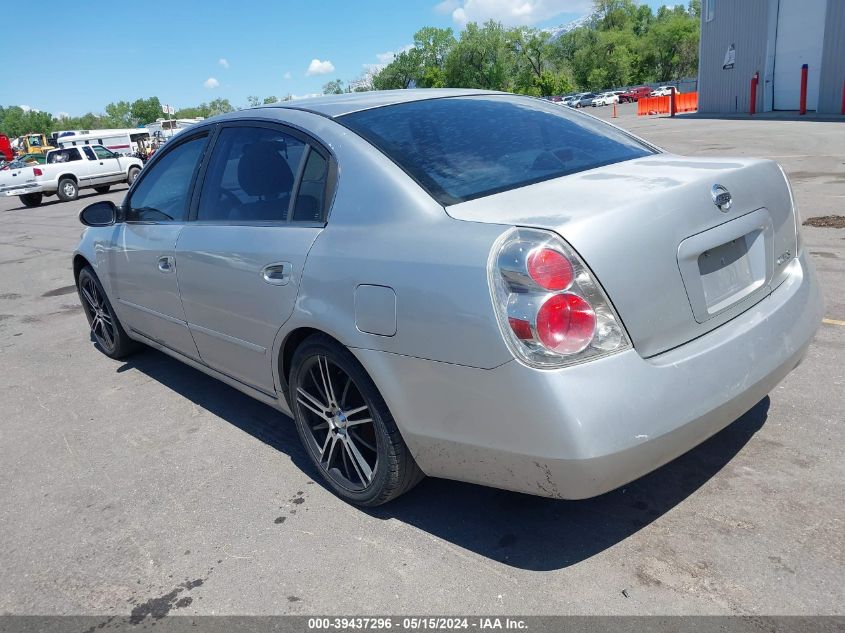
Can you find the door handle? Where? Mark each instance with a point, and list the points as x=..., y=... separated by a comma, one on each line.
x=277, y=274
x=165, y=264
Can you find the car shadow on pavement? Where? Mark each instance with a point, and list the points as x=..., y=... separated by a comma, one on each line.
x=541, y=534
x=520, y=530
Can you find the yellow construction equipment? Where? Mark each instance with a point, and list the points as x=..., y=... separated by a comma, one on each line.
x=32, y=143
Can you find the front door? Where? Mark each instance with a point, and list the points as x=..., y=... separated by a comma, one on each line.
x=143, y=264
x=107, y=169
x=240, y=262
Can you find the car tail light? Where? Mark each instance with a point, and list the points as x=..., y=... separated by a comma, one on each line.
x=796, y=215
x=550, y=269
x=550, y=308
x=37, y=171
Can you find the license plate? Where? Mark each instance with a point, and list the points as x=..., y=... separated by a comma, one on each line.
x=730, y=271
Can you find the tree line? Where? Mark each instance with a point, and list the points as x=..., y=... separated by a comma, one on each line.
x=621, y=44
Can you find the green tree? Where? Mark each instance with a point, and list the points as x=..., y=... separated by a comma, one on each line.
x=271, y=99
x=480, y=58
x=433, y=46
x=334, y=87
x=202, y=110
x=146, y=110
x=671, y=48
x=253, y=101
x=219, y=106
x=120, y=114
x=401, y=73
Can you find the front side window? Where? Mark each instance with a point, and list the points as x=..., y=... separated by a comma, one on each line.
x=251, y=176
x=102, y=152
x=164, y=192
x=461, y=148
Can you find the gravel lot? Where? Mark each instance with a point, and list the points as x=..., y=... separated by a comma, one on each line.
x=146, y=487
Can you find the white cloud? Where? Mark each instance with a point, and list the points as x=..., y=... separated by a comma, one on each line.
x=510, y=12
x=316, y=67
x=62, y=115
x=287, y=75
x=223, y=62
x=25, y=107
x=211, y=82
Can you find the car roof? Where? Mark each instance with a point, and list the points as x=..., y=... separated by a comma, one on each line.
x=338, y=105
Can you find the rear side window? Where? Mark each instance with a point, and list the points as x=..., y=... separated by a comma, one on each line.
x=311, y=198
x=461, y=148
x=68, y=155
x=251, y=176
x=89, y=153
x=163, y=194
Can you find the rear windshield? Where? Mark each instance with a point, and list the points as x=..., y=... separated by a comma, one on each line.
x=461, y=148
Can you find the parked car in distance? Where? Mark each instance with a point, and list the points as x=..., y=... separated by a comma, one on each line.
x=605, y=98
x=663, y=91
x=507, y=308
x=66, y=171
x=634, y=94
x=567, y=101
x=583, y=100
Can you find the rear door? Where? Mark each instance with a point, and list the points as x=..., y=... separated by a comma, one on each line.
x=239, y=263
x=142, y=265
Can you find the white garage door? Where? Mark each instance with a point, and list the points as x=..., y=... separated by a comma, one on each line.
x=799, y=41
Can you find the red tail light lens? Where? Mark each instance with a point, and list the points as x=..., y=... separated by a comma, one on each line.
x=550, y=308
x=566, y=323
x=37, y=172
x=550, y=269
x=521, y=328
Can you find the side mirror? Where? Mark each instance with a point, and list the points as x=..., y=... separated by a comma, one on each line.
x=103, y=213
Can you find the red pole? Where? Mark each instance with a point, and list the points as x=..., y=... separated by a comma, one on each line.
x=802, y=108
x=672, y=108
x=843, y=97
x=752, y=107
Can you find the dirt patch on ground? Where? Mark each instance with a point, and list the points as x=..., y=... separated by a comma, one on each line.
x=827, y=222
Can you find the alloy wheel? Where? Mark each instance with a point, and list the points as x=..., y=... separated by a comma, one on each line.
x=99, y=313
x=338, y=422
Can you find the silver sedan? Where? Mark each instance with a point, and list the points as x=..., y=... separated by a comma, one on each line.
x=463, y=284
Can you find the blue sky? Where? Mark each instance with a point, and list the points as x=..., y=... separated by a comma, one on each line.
x=188, y=52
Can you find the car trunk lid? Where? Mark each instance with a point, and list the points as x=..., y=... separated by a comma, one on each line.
x=674, y=264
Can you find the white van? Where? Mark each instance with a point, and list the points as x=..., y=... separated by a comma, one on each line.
x=127, y=142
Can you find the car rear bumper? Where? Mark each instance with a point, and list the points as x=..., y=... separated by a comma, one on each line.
x=20, y=190
x=580, y=431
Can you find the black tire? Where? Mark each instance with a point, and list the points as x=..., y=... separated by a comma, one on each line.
x=103, y=189
x=132, y=175
x=394, y=470
x=109, y=334
x=31, y=199
x=68, y=190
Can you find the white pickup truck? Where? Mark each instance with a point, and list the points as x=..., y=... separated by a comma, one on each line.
x=67, y=171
